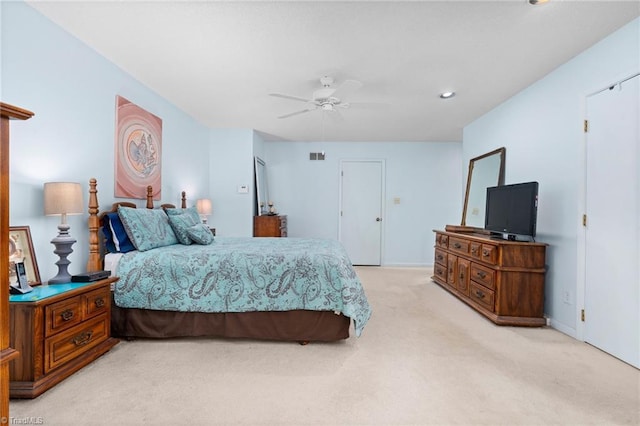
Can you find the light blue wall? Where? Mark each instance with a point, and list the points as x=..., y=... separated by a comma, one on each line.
x=426, y=177
x=231, y=166
x=541, y=128
x=72, y=91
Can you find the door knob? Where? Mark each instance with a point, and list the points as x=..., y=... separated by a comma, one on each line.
x=378, y=219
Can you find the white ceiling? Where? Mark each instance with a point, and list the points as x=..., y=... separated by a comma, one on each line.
x=218, y=61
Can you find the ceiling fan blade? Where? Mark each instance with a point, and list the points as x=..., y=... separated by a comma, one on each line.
x=346, y=89
x=296, y=113
x=295, y=98
x=368, y=105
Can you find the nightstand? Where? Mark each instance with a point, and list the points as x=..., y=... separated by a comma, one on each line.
x=58, y=329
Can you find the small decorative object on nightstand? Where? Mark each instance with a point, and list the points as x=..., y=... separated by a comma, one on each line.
x=58, y=330
x=61, y=199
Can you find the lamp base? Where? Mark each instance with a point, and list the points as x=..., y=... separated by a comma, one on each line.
x=63, y=249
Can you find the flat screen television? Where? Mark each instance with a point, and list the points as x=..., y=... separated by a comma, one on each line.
x=512, y=210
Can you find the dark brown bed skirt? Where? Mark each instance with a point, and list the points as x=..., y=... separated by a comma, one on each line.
x=298, y=325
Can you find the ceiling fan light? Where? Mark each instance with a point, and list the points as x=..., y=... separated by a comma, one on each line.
x=447, y=95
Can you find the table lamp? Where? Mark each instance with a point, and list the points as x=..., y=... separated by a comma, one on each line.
x=203, y=205
x=62, y=199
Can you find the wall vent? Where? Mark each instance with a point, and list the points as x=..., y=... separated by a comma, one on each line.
x=316, y=155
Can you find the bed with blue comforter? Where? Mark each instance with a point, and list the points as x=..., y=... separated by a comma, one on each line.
x=244, y=275
x=176, y=279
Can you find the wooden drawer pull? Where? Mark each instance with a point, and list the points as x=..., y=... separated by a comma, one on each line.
x=440, y=257
x=99, y=302
x=82, y=338
x=461, y=276
x=66, y=315
x=482, y=274
x=480, y=294
x=457, y=245
x=485, y=253
x=474, y=250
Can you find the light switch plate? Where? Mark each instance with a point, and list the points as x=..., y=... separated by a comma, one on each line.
x=243, y=189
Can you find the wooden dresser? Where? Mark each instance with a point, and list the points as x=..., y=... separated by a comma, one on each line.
x=502, y=280
x=7, y=352
x=270, y=226
x=58, y=329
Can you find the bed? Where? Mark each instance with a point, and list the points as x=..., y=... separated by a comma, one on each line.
x=285, y=289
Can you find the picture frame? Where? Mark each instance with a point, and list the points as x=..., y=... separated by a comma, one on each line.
x=21, y=250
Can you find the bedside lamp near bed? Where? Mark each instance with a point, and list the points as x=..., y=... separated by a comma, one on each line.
x=62, y=199
x=203, y=205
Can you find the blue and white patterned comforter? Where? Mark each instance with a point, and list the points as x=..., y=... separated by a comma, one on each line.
x=244, y=274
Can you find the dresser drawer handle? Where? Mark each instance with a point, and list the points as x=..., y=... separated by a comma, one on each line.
x=82, y=338
x=474, y=250
x=480, y=294
x=457, y=245
x=482, y=275
x=440, y=257
x=66, y=315
x=99, y=302
x=485, y=253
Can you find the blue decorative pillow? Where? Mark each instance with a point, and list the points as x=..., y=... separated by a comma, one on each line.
x=192, y=212
x=180, y=223
x=200, y=234
x=147, y=228
x=116, y=238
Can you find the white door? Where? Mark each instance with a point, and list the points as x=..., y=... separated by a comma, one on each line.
x=612, y=278
x=361, y=186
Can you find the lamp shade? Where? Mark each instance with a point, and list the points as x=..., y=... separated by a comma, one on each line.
x=62, y=198
x=203, y=206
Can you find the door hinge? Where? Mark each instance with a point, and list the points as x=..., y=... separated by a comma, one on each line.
x=584, y=220
x=340, y=212
x=582, y=315
x=585, y=126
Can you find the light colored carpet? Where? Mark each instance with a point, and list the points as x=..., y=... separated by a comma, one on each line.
x=424, y=358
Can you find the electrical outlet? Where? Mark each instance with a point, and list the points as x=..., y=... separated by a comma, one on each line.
x=566, y=297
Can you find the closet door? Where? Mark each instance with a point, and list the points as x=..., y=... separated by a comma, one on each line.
x=612, y=278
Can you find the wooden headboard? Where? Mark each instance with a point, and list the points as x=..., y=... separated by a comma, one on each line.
x=96, y=249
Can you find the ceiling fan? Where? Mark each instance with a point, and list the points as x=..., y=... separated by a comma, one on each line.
x=327, y=98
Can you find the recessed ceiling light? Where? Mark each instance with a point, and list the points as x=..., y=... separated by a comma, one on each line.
x=447, y=95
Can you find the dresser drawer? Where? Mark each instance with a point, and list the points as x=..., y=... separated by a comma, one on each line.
x=96, y=302
x=62, y=315
x=482, y=295
x=483, y=275
x=442, y=240
x=69, y=344
x=458, y=245
x=440, y=271
x=441, y=257
x=489, y=253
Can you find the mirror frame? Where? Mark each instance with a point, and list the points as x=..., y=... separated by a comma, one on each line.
x=262, y=189
x=472, y=163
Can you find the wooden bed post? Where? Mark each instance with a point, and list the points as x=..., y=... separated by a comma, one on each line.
x=95, y=261
x=149, y=197
x=184, y=200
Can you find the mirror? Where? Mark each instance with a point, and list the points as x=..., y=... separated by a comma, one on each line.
x=484, y=171
x=262, y=191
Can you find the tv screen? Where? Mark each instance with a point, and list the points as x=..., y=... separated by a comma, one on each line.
x=512, y=209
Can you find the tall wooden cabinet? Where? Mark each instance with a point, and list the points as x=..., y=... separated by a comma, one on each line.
x=7, y=112
x=502, y=280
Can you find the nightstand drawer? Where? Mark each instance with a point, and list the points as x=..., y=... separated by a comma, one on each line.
x=71, y=343
x=96, y=302
x=62, y=315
